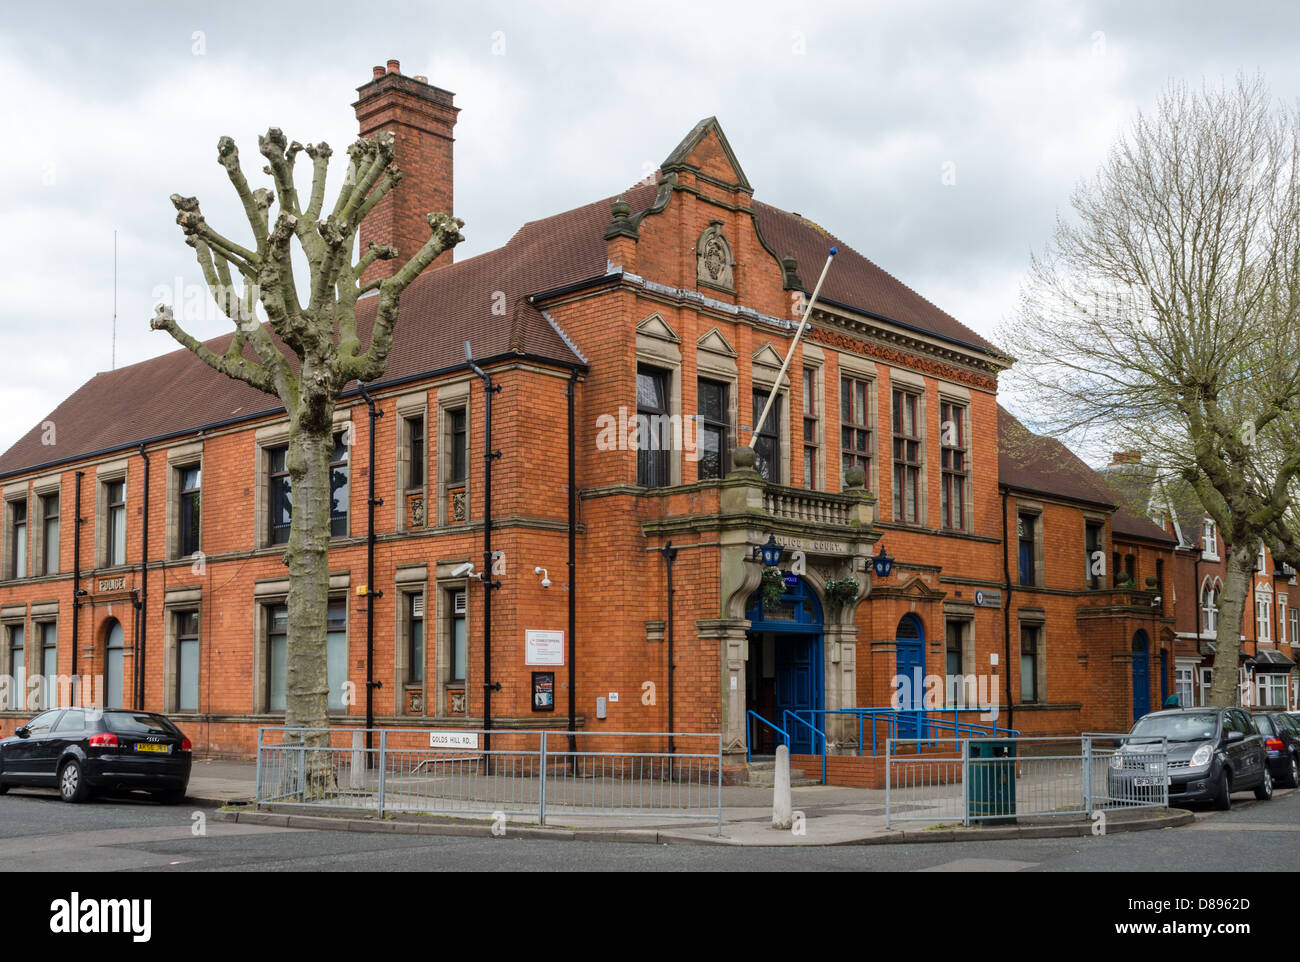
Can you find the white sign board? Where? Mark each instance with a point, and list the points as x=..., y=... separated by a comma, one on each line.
x=453, y=740
x=543, y=647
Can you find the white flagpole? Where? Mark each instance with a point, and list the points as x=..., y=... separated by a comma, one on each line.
x=803, y=322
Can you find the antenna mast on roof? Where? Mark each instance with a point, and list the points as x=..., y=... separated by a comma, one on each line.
x=114, y=349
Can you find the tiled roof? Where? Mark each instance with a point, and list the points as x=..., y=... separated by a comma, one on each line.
x=1032, y=463
x=176, y=393
x=854, y=281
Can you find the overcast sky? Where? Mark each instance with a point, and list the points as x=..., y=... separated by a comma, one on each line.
x=846, y=113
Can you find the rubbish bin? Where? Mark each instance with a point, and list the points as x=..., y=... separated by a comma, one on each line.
x=991, y=786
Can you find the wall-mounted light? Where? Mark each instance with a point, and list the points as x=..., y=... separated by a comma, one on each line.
x=770, y=553
x=883, y=563
x=546, y=579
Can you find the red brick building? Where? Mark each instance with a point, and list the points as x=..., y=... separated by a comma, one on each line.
x=143, y=519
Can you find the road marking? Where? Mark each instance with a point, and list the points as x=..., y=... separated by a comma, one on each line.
x=1242, y=827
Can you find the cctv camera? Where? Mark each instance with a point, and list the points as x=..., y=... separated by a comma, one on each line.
x=461, y=570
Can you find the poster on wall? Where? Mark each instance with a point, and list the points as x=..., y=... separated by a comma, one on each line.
x=543, y=647
x=543, y=691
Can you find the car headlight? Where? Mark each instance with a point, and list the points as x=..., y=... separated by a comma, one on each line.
x=1117, y=761
x=1201, y=757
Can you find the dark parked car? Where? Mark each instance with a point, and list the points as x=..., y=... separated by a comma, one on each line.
x=81, y=751
x=1281, y=733
x=1213, y=752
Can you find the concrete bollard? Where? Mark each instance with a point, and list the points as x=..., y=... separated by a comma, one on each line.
x=357, y=774
x=782, y=809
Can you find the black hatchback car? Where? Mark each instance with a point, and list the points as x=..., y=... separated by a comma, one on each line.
x=1213, y=752
x=1281, y=732
x=83, y=750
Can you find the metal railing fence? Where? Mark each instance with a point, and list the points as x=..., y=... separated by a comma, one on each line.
x=525, y=773
x=961, y=779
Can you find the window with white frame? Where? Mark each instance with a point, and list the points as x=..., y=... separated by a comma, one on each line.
x=1210, y=607
x=1270, y=690
x=1207, y=679
x=1210, y=540
x=1264, y=615
x=1184, y=683
x=1293, y=617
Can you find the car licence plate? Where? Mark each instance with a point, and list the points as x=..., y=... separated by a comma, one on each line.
x=1146, y=782
x=147, y=747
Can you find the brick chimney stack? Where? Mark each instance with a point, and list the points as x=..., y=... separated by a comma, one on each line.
x=420, y=117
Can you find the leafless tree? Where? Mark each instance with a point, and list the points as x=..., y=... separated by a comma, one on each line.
x=304, y=354
x=1165, y=316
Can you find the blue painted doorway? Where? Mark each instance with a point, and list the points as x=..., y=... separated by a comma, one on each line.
x=1141, y=676
x=785, y=670
x=909, y=671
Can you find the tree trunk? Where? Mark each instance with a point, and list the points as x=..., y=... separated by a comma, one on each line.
x=307, y=681
x=1227, y=642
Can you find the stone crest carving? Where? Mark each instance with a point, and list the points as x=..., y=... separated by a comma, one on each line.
x=713, y=261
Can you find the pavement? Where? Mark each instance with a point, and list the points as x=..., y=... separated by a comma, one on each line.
x=824, y=815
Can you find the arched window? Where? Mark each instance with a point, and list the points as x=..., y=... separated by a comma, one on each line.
x=1210, y=606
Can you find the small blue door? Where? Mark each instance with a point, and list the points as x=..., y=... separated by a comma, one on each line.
x=910, y=675
x=1141, y=676
x=795, y=690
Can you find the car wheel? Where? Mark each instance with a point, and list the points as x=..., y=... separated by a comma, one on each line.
x=72, y=785
x=1223, y=797
x=4, y=788
x=1264, y=790
x=1293, y=776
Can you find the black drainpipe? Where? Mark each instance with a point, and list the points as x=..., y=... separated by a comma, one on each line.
x=670, y=553
x=371, y=593
x=573, y=584
x=142, y=602
x=488, y=584
x=1006, y=615
x=76, y=568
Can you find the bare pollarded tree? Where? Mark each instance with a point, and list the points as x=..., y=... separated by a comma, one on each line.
x=1165, y=316
x=304, y=354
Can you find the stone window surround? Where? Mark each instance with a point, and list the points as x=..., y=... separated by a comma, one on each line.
x=861, y=369
x=106, y=474
x=660, y=350
x=1034, y=618
x=1095, y=518
x=1035, y=509
x=45, y=614
x=818, y=367
x=266, y=595
x=713, y=365
x=960, y=396
x=901, y=379
x=964, y=615
x=276, y=435
x=175, y=602
x=442, y=613
x=12, y=494
x=409, y=580
x=43, y=489
x=178, y=459
x=450, y=397
x=11, y=617
x=408, y=407
x=763, y=378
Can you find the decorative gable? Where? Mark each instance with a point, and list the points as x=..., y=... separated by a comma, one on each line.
x=656, y=327
x=713, y=342
x=767, y=356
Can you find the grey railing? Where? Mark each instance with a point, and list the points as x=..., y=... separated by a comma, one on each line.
x=525, y=774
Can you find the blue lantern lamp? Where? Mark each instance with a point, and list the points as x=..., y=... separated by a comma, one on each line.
x=771, y=552
x=883, y=563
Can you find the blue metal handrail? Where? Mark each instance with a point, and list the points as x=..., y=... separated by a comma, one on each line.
x=804, y=721
x=749, y=733
x=921, y=718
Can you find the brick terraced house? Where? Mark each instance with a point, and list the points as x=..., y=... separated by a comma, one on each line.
x=143, y=521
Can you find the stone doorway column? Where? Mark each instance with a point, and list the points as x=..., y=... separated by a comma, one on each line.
x=733, y=645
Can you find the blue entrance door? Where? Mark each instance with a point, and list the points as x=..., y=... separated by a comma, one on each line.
x=790, y=633
x=796, y=691
x=1141, y=676
x=909, y=672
